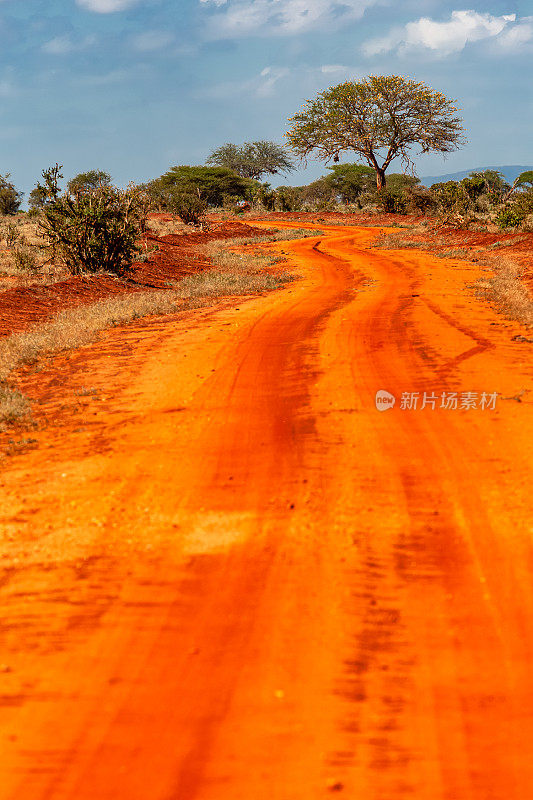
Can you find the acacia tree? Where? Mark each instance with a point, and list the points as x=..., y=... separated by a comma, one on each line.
x=87, y=181
x=253, y=159
x=380, y=118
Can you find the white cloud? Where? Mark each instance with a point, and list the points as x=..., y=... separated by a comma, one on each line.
x=268, y=79
x=443, y=38
x=272, y=79
x=516, y=36
x=63, y=45
x=150, y=41
x=262, y=85
x=236, y=18
x=106, y=6
x=331, y=69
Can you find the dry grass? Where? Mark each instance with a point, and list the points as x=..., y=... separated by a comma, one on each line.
x=13, y=404
x=396, y=241
x=162, y=227
x=506, y=291
x=460, y=253
x=23, y=254
x=281, y=236
x=235, y=274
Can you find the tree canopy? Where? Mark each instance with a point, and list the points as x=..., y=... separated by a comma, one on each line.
x=350, y=180
x=208, y=183
x=525, y=179
x=87, y=181
x=380, y=118
x=253, y=159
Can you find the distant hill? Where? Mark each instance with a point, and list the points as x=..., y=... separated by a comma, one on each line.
x=510, y=172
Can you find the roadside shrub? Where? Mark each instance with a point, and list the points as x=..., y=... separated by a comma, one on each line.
x=157, y=194
x=452, y=198
x=10, y=198
x=96, y=230
x=265, y=196
x=349, y=181
x=189, y=207
x=509, y=217
x=10, y=232
x=320, y=195
x=229, y=203
x=419, y=199
x=516, y=212
x=25, y=259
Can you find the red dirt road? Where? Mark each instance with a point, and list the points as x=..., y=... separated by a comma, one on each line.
x=226, y=575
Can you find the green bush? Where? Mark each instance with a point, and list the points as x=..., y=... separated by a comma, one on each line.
x=229, y=203
x=96, y=230
x=189, y=207
x=514, y=213
x=265, y=196
x=37, y=200
x=289, y=198
x=10, y=198
x=451, y=197
x=510, y=216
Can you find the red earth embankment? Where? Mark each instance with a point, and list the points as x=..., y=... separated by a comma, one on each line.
x=176, y=257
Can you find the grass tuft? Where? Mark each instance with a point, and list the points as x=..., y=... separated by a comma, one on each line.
x=507, y=292
x=13, y=404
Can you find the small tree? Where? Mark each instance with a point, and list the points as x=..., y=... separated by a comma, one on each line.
x=10, y=198
x=37, y=199
x=350, y=180
x=380, y=118
x=397, y=195
x=264, y=195
x=289, y=198
x=87, y=181
x=253, y=159
x=524, y=182
x=50, y=188
x=320, y=195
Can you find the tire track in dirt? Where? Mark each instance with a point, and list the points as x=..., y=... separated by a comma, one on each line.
x=298, y=595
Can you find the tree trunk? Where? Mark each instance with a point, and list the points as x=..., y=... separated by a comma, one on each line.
x=380, y=178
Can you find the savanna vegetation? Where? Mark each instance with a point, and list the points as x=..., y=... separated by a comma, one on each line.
x=90, y=225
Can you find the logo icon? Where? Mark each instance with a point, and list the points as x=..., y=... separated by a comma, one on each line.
x=384, y=400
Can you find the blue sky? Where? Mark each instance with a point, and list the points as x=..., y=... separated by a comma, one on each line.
x=135, y=86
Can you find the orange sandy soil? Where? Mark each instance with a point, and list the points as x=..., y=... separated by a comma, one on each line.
x=226, y=575
x=177, y=256
x=490, y=244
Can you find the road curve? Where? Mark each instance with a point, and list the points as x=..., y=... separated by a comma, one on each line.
x=227, y=575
